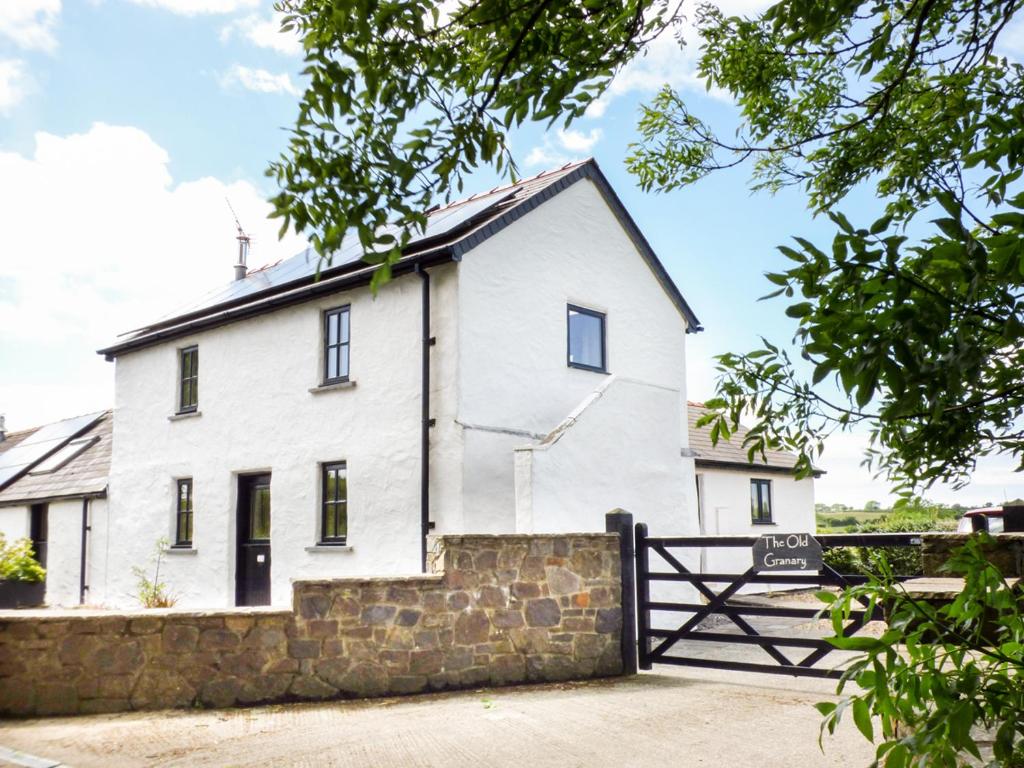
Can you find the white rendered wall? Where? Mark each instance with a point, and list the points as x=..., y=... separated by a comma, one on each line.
x=258, y=415
x=621, y=450
x=14, y=523
x=513, y=375
x=726, y=507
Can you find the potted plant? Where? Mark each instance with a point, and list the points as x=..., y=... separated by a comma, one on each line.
x=22, y=582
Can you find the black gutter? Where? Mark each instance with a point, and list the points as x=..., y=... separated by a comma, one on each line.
x=738, y=465
x=425, y=421
x=82, y=586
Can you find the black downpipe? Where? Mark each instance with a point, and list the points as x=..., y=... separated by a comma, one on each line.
x=82, y=586
x=425, y=421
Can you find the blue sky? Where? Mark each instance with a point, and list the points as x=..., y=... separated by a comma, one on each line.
x=125, y=123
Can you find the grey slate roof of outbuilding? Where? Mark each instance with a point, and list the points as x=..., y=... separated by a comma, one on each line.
x=452, y=230
x=84, y=475
x=730, y=454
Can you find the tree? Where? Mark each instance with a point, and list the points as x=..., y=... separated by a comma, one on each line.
x=916, y=339
x=872, y=506
x=944, y=680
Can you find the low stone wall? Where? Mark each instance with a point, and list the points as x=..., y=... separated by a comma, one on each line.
x=497, y=610
x=1005, y=552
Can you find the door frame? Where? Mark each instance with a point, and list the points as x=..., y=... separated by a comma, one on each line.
x=244, y=482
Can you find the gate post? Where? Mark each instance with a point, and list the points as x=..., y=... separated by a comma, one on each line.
x=643, y=613
x=621, y=522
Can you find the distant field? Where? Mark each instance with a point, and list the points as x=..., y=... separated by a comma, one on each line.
x=839, y=521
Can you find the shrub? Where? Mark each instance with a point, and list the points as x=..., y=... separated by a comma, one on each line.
x=945, y=682
x=17, y=562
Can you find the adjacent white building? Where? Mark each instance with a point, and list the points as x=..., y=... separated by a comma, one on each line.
x=523, y=371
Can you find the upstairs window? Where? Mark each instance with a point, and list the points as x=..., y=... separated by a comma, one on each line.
x=188, y=390
x=183, y=514
x=761, y=501
x=334, y=504
x=586, y=339
x=336, y=344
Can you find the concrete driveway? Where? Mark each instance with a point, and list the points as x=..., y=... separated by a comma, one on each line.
x=672, y=717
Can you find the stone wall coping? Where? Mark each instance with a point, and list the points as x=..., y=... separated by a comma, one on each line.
x=70, y=614
x=425, y=579
x=456, y=538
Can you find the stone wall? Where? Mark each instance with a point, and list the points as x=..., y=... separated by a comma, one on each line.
x=1005, y=552
x=496, y=610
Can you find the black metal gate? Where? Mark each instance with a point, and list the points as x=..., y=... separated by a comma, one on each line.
x=655, y=644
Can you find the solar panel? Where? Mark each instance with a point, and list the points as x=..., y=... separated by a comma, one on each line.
x=305, y=264
x=38, y=445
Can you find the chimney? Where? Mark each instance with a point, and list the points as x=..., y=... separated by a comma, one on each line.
x=3, y=429
x=243, y=255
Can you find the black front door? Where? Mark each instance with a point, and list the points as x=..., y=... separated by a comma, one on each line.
x=252, y=574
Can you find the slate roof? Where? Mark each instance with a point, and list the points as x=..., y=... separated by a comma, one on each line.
x=451, y=231
x=84, y=475
x=730, y=454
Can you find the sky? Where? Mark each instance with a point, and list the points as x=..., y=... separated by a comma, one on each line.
x=127, y=125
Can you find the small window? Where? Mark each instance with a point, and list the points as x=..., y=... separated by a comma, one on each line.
x=334, y=509
x=761, y=501
x=183, y=514
x=586, y=339
x=336, y=345
x=188, y=397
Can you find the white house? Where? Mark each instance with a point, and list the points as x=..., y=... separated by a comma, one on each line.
x=736, y=496
x=523, y=371
x=53, y=487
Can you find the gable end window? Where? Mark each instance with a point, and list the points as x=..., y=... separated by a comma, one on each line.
x=336, y=345
x=761, y=501
x=188, y=389
x=183, y=514
x=334, y=504
x=586, y=345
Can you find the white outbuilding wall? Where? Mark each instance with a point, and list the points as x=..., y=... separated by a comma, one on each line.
x=64, y=547
x=725, y=507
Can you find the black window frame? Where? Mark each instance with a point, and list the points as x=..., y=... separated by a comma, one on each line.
x=325, y=503
x=569, y=309
x=189, y=375
x=336, y=348
x=764, y=492
x=187, y=514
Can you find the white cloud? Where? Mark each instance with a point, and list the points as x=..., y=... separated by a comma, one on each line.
x=259, y=80
x=264, y=33
x=29, y=23
x=198, y=7
x=98, y=239
x=577, y=141
x=562, y=147
x=13, y=83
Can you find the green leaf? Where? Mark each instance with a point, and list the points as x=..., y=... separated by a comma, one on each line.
x=862, y=719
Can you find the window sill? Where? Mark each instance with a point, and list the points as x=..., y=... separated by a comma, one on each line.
x=184, y=415
x=591, y=368
x=762, y=522
x=324, y=548
x=349, y=384
x=180, y=551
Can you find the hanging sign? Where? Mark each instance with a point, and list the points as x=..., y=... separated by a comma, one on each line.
x=787, y=552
